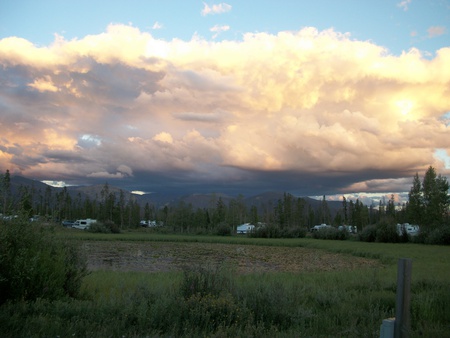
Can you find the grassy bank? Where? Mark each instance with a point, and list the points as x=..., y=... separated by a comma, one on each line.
x=215, y=300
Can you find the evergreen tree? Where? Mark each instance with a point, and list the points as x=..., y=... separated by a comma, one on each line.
x=147, y=212
x=254, y=214
x=324, y=212
x=415, y=201
x=26, y=205
x=121, y=208
x=299, y=212
x=391, y=207
x=345, y=209
x=6, y=191
x=435, y=198
x=220, y=212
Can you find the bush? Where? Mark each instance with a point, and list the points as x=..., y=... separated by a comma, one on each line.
x=387, y=233
x=274, y=231
x=368, y=234
x=35, y=264
x=267, y=231
x=331, y=233
x=106, y=227
x=223, y=229
x=295, y=232
x=439, y=236
x=205, y=280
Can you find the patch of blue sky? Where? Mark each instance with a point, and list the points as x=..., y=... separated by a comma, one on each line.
x=443, y=156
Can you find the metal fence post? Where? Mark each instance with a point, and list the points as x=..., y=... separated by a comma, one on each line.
x=402, y=312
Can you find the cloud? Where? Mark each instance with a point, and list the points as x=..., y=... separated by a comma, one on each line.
x=44, y=85
x=312, y=112
x=215, y=9
x=157, y=25
x=219, y=29
x=163, y=137
x=106, y=175
x=435, y=31
x=404, y=4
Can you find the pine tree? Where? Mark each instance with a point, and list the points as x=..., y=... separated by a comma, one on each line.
x=6, y=190
x=415, y=201
x=435, y=197
x=429, y=202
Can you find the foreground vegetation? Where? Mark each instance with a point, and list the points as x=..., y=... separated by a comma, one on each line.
x=215, y=300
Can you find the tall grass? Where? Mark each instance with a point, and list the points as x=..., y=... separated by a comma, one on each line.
x=216, y=301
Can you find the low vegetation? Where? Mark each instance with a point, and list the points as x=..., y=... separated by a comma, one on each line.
x=215, y=298
x=34, y=264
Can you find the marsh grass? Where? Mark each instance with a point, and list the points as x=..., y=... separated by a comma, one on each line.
x=213, y=300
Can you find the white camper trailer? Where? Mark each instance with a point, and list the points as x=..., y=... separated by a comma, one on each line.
x=83, y=223
x=410, y=229
x=245, y=228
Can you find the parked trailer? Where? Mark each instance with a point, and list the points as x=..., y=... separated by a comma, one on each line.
x=410, y=229
x=352, y=229
x=319, y=227
x=83, y=223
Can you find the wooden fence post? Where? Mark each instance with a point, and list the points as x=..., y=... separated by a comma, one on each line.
x=402, y=312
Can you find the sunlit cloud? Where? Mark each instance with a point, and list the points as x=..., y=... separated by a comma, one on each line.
x=57, y=184
x=219, y=29
x=436, y=31
x=294, y=106
x=215, y=9
x=404, y=4
x=139, y=192
x=157, y=25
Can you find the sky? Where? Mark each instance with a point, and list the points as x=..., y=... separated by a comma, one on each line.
x=309, y=97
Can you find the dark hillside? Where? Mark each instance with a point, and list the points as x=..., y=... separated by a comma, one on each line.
x=267, y=200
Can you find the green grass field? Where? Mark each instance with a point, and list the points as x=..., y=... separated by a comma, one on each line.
x=211, y=300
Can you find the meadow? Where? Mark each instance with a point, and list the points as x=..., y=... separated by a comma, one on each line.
x=235, y=286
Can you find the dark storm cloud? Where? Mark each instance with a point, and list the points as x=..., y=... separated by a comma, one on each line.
x=307, y=112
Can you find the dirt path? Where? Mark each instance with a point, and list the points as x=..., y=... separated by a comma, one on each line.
x=164, y=256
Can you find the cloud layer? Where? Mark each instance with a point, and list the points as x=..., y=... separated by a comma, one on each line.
x=306, y=111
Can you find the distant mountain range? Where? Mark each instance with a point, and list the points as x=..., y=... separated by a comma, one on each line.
x=197, y=200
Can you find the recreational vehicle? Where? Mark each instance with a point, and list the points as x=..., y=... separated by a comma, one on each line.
x=83, y=223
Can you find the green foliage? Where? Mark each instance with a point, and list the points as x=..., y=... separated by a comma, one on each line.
x=331, y=233
x=223, y=229
x=274, y=231
x=205, y=280
x=368, y=234
x=439, y=236
x=35, y=264
x=105, y=227
x=387, y=233
x=254, y=305
x=429, y=200
x=223, y=303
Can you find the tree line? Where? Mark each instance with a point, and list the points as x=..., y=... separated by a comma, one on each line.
x=428, y=205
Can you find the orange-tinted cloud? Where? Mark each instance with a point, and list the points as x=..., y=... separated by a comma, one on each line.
x=299, y=103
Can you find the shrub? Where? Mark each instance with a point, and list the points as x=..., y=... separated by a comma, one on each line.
x=205, y=280
x=387, y=233
x=331, y=233
x=368, y=234
x=211, y=312
x=223, y=229
x=106, y=227
x=35, y=264
x=295, y=232
x=267, y=231
x=274, y=231
x=439, y=236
